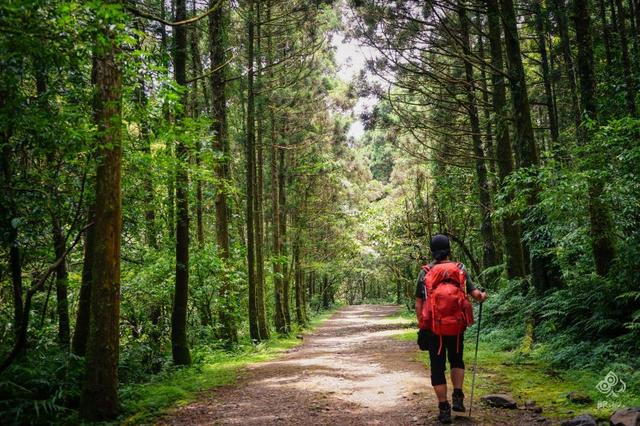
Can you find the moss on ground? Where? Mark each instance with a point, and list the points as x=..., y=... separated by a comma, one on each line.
x=527, y=378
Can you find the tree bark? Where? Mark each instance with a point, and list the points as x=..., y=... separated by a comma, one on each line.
x=486, y=116
x=544, y=68
x=298, y=277
x=282, y=202
x=486, y=228
x=637, y=18
x=630, y=92
x=559, y=10
x=259, y=185
x=179, y=344
x=8, y=209
x=635, y=39
x=601, y=227
x=254, y=328
x=544, y=269
x=280, y=318
x=511, y=229
x=62, y=283
x=99, y=399
x=326, y=294
x=140, y=99
x=606, y=33
x=83, y=316
x=217, y=43
x=196, y=111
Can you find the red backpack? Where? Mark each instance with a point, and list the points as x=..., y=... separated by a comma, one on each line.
x=447, y=311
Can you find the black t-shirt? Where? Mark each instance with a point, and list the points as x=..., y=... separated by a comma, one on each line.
x=420, y=289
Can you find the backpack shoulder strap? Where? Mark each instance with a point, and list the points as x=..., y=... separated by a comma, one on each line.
x=463, y=277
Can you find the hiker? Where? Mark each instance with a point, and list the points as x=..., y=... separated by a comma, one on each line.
x=442, y=320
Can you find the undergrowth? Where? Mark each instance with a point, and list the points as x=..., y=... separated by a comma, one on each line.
x=547, y=373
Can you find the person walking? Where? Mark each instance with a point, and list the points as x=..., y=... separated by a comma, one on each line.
x=444, y=312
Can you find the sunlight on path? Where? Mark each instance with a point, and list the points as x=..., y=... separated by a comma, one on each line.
x=350, y=371
x=345, y=367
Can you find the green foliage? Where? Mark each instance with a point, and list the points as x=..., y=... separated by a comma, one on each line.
x=502, y=368
x=45, y=386
x=359, y=213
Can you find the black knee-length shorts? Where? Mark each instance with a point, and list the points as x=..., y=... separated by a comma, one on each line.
x=440, y=349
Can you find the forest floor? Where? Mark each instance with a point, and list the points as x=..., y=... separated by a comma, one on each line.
x=352, y=370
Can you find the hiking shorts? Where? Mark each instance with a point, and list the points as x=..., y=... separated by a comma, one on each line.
x=442, y=348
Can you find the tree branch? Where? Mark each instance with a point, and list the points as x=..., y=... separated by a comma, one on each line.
x=163, y=21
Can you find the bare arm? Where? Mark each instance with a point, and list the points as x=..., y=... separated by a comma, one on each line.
x=480, y=296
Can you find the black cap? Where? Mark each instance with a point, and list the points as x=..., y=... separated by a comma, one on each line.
x=440, y=247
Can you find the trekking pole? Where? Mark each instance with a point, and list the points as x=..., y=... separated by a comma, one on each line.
x=475, y=361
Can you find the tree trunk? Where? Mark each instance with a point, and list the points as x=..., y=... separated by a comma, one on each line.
x=630, y=92
x=303, y=294
x=326, y=296
x=486, y=227
x=282, y=195
x=254, y=328
x=226, y=314
x=179, y=344
x=62, y=284
x=486, y=116
x=559, y=10
x=81, y=332
x=10, y=227
x=140, y=99
x=196, y=110
x=544, y=269
x=280, y=317
x=300, y=317
x=601, y=226
x=544, y=68
x=171, y=178
x=606, y=33
x=637, y=18
x=259, y=184
x=511, y=229
x=635, y=39
x=99, y=399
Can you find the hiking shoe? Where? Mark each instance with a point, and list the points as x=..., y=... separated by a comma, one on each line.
x=458, y=402
x=445, y=415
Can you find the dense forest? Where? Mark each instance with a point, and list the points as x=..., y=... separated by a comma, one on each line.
x=179, y=178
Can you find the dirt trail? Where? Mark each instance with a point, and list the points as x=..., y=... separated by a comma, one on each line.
x=350, y=371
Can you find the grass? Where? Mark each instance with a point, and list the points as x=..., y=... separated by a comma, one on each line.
x=526, y=377
x=180, y=386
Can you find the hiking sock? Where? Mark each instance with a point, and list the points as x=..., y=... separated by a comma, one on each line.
x=457, y=400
